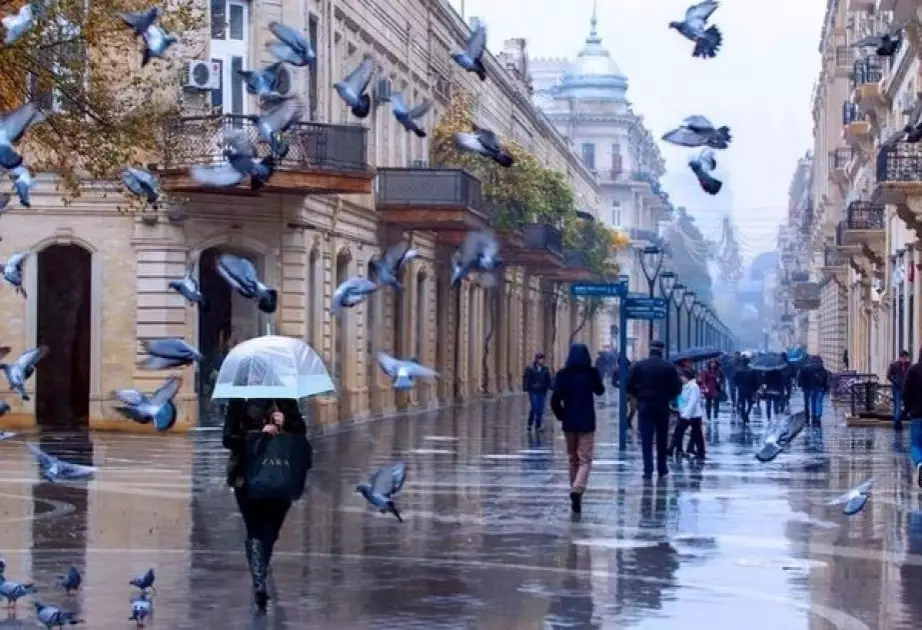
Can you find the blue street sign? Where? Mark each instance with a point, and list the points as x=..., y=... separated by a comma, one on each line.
x=644, y=307
x=599, y=289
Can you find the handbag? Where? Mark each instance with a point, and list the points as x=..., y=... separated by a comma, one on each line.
x=276, y=467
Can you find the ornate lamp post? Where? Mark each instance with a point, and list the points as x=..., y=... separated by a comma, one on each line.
x=651, y=261
x=698, y=309
x=678, y=296
x=667, y=285
x=689, y=305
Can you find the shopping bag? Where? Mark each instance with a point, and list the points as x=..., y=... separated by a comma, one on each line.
x=276, y=467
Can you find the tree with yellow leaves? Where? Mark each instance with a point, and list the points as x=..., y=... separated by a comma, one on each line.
x=80, y=63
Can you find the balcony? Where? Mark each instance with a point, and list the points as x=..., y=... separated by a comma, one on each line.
x=899, y=174
x=509, y=230
x=322, y=159
x=446, y=201
x=576, y=266
x=844, y=60
x=856, y=128
x=806, y=296
x=835, y=263
x=543, y=248
x=864, y=226
x=838, y=161
x=844, y=246
x=865, y=81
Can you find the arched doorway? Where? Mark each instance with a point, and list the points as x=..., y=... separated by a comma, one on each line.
x=229, y=320
x=341, y=326
x=63, y=323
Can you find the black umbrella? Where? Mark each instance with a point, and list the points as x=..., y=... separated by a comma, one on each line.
x=768, y=362
x=695, y=354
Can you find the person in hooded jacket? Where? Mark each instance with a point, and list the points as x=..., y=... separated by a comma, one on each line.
x=912, y=406
x=814, y=380
x=747, y=384
x=573, y=403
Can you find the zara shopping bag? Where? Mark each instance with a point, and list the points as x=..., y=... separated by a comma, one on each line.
x=276, y=467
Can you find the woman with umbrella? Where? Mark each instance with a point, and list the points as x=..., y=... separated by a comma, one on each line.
x=265, y=433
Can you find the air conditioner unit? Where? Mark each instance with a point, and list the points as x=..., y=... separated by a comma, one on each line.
x=203, y=75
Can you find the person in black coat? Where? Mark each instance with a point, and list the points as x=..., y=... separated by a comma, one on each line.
x=536, y=382
x=262, y=518
x=573, y=403
x=814, y=380
x=654, y=383
x=912, y=406
x=747, y=385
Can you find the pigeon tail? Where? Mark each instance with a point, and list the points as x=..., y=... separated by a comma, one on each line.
x=268, y=301
x=363, y=108
x=504, y=159
x=419, y=132
x=393, y=510
x=146, y=57
x=769, y=452
x=479, y=70
x=855, y=505
x=203, y=304
x=708, y=44
x=710, y=185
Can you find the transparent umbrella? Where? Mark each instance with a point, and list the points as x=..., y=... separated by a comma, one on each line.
x=272, y=367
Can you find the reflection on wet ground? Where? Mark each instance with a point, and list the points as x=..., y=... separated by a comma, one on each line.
x=488, y=540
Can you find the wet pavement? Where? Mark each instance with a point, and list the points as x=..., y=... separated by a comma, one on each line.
x=488, y=540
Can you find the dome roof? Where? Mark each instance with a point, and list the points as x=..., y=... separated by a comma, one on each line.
x=594, y=74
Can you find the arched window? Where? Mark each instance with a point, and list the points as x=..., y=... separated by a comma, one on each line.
x=313, y=299
x=421, y=319
x=341, y=325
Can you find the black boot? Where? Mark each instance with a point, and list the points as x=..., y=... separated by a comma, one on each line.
x=256, y=555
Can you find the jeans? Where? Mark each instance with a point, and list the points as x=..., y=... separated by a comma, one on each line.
x=915, y=441
x=744, y=404
x=897, y=407
x=696, y=442
x=712, y=405
x=536, y=402
x=579, y=452
x=677, y=443
x=772, y=401
x=263, y=518
x=732, y=394
x=653, y=422
x=813, y=404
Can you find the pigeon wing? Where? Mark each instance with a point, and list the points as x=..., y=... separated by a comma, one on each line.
x=398, y=477
x=142, y=20
x=364, y=286
x=398, y=105
x=707, y=159
x=167, y=391
x=488, y=139
x=17, y=260
x=865, y=487
x=44, y=459
x=684, y=138
x=420, y=110
x=28, y=359
x=358, y=79
x=395, y=254
x=130, y=396
x=239, y=144
x=290, y=36
x=474, y=245
x=701, y=11
x=478, y=42
x=698, y=123
x=283, y=115
x=18, y=121
x=241, y=270
x=217, y=175
x=169, y=348
x=389, y=364
x=870, y=40
x=893, y=139
x=419, y=371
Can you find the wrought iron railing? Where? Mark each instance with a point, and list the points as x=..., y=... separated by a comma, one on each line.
x=864, y=215
x=845, y=56
x=800, y=276
x=448, y=188
x=196, y=140
x=840, y=157
x=576, y=258
x=542, y=236
x=867, y=70
x=832, y=258
x=901, y=162
x=851, y=113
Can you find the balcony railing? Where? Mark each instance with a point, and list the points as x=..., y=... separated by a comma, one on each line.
x=851, y=113
x=840, y=157
x=800, y=276
x=429, y=188
x=901, y=162
x=845, y=56
x=545, y=237
x=832, y=258
x=865, y=216
x=840, y=234
x=867, y=70
x=197, y=140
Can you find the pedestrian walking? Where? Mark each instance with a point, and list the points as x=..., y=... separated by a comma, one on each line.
x=746, y=382
x=845, y=360
x=712, y=383
x=654, y=382
x=814, y=381
x=573, y=403
x=912, y=404
x=897, y=377
x=537, y=382
x=691, y=414
x=772, y=391
x=262, y=517
x=733, y=365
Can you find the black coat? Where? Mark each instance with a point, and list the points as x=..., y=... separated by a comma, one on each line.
x=654, y=381
x=537, y=379
x=912, y=392
x=746, y=380
x=573, y=401
x=246, y=416
x=814, y=377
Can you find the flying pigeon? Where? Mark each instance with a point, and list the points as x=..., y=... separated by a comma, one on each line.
x=389, y=269
x=782, y=435
x=22, y=22
x=707, y=40
x=702, y=166
x=144, y=581
x=52, y=617
x=12, y=271
x=383, y=485
x=697, y=131
x=293, y=47
x=352, y=292
x=241, y=163
x=885, y=44
x=352, y=88
x=241, y=275
x=54, y=469
x=70, y=581
x=141, y=609
x=272, y=124
x=158, y=408
x=189, y=289
x=408, y=117
x=7, y=435
x=263, y=82
x=12, y=128
x=22, y=182
x=404, y=373
x=156, y=40
x=18, y=372
x=478, y=252
x=141, y=184
x=484, y=142
x=855, y=499
x=14, y=591
x=470, y=57
x=169, y=353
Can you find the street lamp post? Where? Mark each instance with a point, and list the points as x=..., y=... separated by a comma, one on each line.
x=689, y=304
x=651, y=261
x=667, y=285
x=678, y=294
x=698, y=307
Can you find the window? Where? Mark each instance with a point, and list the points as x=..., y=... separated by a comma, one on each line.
x=63, y=67
x=616, y=213
x=616, y=164
x=229, y=51
x=313, y=105
x=589, y=155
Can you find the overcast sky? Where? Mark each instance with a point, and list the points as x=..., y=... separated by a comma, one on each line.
x=759, y=85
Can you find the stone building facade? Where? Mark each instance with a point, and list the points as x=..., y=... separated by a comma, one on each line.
x=97, y=279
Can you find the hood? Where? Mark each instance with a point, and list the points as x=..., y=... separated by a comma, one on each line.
x=579, y=357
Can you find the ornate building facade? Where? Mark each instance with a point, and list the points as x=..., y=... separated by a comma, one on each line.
x=97, y=279
x=586, y=100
